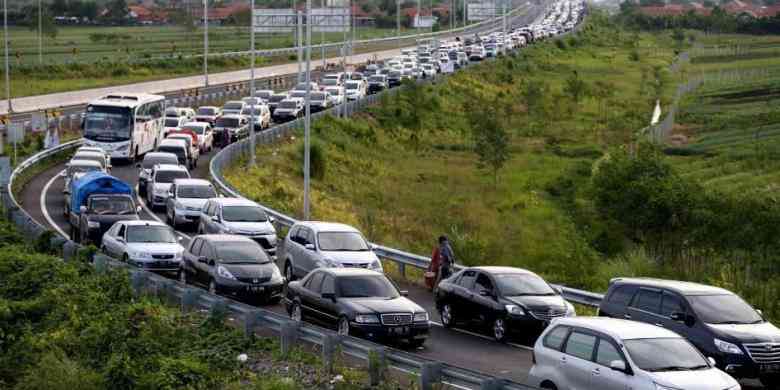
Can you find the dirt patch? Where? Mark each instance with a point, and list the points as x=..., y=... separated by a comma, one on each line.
x=681, y=135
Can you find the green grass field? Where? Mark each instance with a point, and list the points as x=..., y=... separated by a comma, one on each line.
x=730, y=128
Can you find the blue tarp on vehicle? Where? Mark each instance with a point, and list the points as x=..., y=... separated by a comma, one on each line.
x=95, y=183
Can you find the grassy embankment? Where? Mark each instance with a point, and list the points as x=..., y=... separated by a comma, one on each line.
x=730, y=130
x=64, y=326
x=121, y=55
x=406, y=172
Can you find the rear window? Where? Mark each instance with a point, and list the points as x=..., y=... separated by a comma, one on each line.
x=196, y=191
x=277, y=98
x=151, y=160
x=233, y=106
x=169, y=176
x=207, y=111
x=172, y=122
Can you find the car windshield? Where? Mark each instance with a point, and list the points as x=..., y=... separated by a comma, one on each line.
x=151, y=160
x=277, y=98
x=82, y=168
x=177, y=150
x=150, y=234
x=723, y=309
x=298, y=94
x=227, y=122
x=258, y=110
x=665, y=354
x=114, y=205
x=356, y=76
x=395, y=74
x=288, y=104
x=108, y=124
x=195, y=129
x=171, y=122
x=169, y=176
x=342, y=241
x=353, y=85
x=330, y=82
x=522, y=284
x=369, y=286
x=333, y=91
x=318, y=96
x=207, y=111
x=233, y=106
x=195, y=191
x=244, y=214
x=241, y=252
x=263, y=94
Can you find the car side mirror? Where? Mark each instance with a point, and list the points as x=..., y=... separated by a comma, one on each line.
x=760, y=312
x=404, y=293
x=677, y=316
x=309, y=247
x=618, y=365
x=181, y=238
x=271, y=219
x=712, y=361
x=83, y=209
x=138, y=209
x=202, y=259
x=329, y=295
x=558, y=289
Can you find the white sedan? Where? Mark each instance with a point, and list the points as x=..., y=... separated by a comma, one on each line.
x=151, y=245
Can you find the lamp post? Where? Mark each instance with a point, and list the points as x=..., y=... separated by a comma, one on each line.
x=307, y=118
x=206, y=42
x=40, y=33
x=252, y=84
x=7, y=67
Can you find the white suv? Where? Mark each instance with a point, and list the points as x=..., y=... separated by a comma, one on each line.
x=160, y=180
x=608, y=354
x=311, y=245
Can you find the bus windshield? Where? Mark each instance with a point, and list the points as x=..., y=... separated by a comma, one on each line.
x=108, y=124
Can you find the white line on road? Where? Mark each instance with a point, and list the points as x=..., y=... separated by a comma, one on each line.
x=43, y=206
x=153, y=215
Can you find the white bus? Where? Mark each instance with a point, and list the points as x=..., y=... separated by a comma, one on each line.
x=125, y=125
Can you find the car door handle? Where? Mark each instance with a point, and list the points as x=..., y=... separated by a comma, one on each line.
x=596, y=371
x=627, y=316
x=659, y=324
x=563, y=360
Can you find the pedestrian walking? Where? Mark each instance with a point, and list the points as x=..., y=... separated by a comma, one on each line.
x=446, y=259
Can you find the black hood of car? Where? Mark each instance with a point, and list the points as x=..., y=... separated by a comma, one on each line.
x=535, y=302
x=246, y=271
x=381, y=306
x=764, y=332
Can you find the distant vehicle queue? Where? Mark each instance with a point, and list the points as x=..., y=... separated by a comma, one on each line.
x=327, y=273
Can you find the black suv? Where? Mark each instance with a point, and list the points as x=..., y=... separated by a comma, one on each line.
x=718, y=322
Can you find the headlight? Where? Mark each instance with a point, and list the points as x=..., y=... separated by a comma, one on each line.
x=421, y=317
x=366, y=319
x=661, y=387
x=178, y=205
x=514, y=309
x=376, y=266
x=93, y=224
x=570, y=311
x=727, y=347
x=224, y=273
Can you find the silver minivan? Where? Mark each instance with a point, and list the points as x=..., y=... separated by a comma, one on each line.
x=611, y=354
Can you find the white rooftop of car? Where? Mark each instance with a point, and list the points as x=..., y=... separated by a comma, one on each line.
x=618, y=328
x=173, y=142
x=143, y=222
x=85, y=163
x=170, y=167
x=192, y=182
x=318, y=226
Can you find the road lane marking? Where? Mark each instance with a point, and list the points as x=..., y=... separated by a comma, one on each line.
x=43, y=206
x=156, y=218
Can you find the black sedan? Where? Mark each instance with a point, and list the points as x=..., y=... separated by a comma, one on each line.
x=508, y=300
x=357, y=302
x=231, y=265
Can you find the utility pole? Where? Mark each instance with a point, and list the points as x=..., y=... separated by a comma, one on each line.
x=7, y=67
x=206, y=42
x=300, y=46
x=252, y=83
x=465, y=3
x=398, y=20
x=40, y=33
x=322, y=37
x=345, y=23
x=307, y=118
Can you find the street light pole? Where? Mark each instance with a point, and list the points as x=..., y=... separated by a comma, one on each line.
x=40, y=34
x=206, y=42
x=300, y=46
x=307, y=118
x=398, y=20
x=252, y=83
x=7, y=66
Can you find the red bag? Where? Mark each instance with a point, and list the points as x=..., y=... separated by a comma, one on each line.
x=433, y=269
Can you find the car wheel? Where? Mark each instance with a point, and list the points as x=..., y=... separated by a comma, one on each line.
x=499, y=329
x=446, y=314
x=183, y=276
x=344, y=326
x=168, y=218
x=213, y=287
x=295, y=313
x=125, y=259
x=771, y=381
x=173, y=220
x=288, y=272
x=547, y=385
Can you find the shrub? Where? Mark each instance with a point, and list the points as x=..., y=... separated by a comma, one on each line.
x=317, y=161
x=560, y=43
x=55, y=372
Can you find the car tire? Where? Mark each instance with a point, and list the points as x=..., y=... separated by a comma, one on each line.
x=447, y=315
x=273, y=300
x=343, y=326
x=168, y=218
x=288, y=272
x=125, y=258
x=173, y=220
x=213, y=288
x=499, y=329
x=547, y=385
x=296, y=314
x=771, y=381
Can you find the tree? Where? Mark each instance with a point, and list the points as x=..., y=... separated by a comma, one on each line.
x=59, y=7
x=117, y=11
x=89, y=10
x=48, y=26
x=491, y=139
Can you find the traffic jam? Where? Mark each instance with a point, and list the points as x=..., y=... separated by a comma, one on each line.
x=648, y=334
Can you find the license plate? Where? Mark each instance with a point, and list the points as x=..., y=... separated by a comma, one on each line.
x=399, y=330
x=770, y=368
x=256, y=288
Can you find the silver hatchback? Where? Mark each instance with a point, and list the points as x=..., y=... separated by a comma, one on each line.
x=611, y=354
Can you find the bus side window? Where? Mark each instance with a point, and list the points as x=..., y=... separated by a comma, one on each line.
x=155, y=110
x=142, y=114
